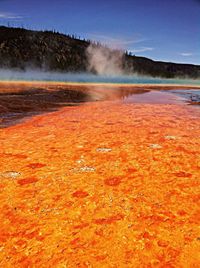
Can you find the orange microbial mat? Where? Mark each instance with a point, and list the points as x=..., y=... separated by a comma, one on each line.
x=102, y=184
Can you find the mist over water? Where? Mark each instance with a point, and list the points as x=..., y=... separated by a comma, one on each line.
x=104, y=66
x=38, y=75
x=104, y=61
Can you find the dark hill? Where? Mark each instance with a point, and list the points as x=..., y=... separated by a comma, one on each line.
x=49, y=50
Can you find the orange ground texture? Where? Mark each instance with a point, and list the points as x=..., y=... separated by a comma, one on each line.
x=106, y=184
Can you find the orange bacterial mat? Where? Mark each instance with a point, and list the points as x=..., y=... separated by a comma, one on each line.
x=104, y=184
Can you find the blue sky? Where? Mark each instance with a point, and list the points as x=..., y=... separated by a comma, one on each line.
x=166, y=30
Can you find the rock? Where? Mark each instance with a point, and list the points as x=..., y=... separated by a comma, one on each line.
x=87, y=169
x=170, y=137
x=155, y=146
x=104, y=150
x=195, y=98
x=10, y=174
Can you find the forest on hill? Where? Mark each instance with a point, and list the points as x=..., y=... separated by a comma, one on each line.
x=52, y=51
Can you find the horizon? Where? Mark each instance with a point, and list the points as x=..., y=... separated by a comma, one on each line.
x=160, y=31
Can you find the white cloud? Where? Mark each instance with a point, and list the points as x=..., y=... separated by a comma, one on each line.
x=115, y=42
x=186, y=54
x=11, y=16
x=142, y=49
x=120, y=40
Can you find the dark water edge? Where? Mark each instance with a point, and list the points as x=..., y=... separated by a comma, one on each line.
x=15, y=106
x=19, y=102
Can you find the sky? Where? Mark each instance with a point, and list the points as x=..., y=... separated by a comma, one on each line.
x=166, y=30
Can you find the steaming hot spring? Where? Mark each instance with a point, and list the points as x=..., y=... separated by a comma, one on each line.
x=97, y=174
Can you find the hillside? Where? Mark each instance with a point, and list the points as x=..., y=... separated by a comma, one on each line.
x=52, y=51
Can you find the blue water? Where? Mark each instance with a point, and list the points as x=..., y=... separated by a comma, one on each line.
x=189, y=95
x=34, y=75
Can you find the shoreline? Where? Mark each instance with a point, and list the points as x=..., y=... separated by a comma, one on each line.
x=22, y=99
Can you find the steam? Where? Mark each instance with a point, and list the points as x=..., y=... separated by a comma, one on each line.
x=104, y=61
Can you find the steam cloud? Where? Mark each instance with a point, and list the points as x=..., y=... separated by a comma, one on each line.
x=104, y=61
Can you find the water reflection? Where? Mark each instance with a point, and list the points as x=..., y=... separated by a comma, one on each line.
x=191, y=96
x=20, y=100
x=155, y=97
